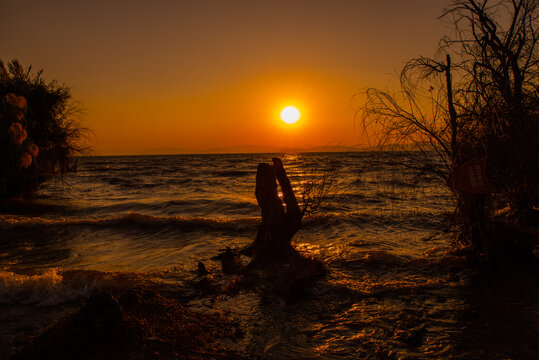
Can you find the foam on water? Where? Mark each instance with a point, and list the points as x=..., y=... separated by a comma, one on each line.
x=57, y=286
x=30, y=289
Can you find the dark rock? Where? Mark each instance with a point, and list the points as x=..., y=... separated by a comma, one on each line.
x=206, y=285
x=231, y=262
x=202, y=268
x=100, y=310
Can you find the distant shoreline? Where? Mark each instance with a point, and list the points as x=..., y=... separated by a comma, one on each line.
x=235, y=153
x=231, y=151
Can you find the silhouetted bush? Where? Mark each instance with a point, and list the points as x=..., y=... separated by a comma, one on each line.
x=478, y=98
x=39, y=132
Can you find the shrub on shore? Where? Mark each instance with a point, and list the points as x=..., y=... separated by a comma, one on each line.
x=472, y=112
x=39, y=132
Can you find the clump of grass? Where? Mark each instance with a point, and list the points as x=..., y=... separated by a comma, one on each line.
x=39, y=130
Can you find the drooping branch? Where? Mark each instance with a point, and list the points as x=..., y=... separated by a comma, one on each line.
x=487, y=105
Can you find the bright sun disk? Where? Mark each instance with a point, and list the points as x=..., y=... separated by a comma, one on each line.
x=290, y=114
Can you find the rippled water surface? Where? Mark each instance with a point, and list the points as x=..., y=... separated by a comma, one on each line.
x=392, y=291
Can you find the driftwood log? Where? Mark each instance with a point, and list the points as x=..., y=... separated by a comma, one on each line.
x=279, y=221
x=275, y=265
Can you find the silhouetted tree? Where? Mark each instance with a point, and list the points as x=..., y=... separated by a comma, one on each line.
x=39, y=131
x=485, y=103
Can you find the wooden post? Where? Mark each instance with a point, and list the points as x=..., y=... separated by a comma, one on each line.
x=293, y=214
x=273, y=240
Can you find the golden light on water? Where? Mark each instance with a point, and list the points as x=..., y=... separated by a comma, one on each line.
x=290, y=114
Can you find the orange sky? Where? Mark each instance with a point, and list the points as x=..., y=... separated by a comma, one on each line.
x=188, y=76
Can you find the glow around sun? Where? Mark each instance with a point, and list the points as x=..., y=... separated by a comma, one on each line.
x=290, y=114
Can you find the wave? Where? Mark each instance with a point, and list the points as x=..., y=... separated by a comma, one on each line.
x=404, y=286
x=233, y=173
x=366, y=273
x=228, y=206
x=56, y=286
x=242, y=221
x=133, y=219
x=43, y=289
x=383, y=217
x=376, y=259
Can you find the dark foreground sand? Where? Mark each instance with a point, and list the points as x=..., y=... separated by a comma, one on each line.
x=135, y=324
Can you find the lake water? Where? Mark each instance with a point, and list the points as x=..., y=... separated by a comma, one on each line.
x=393, y=290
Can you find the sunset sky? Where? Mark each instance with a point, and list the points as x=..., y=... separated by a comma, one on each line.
x=196, y=76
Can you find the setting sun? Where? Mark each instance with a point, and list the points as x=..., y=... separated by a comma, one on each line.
x=290, y=114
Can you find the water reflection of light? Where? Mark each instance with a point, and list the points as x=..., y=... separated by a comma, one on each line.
x=289, y=159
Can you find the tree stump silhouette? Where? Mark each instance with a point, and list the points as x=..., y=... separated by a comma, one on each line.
x=279, y=221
